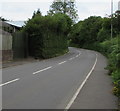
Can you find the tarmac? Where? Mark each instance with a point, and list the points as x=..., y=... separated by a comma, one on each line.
x=17, y=62
x=90, y=95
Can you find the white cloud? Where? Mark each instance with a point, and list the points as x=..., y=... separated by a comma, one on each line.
x=93, y=1
x=27, y=1
x=86, y=9
x=23, y=9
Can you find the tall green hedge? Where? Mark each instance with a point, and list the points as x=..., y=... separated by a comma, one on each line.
x=48, y=35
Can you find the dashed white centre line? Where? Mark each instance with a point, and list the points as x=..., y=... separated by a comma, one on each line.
x=42, y=70
x=72, y=58
x=77, y=55
x=9, y=82
x=62, y=62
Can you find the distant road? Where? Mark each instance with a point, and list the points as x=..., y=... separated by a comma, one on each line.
x=53, y=83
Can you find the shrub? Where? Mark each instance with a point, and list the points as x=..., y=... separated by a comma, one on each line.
x=48, y=35
x=116, y=89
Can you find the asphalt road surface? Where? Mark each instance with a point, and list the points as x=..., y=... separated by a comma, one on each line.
x=68, y=81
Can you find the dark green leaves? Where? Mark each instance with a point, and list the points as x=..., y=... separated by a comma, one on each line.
x=48, y=35
x=66, y=7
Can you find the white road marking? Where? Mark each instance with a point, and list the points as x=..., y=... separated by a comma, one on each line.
x=81, y=86
x=70, y=58
x=77, y=55
x=62, y=62
x=42, y=70
x=9, y=82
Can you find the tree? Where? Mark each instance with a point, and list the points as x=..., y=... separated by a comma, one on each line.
x=85, y=32
x=64, y=6
x=3, y=19
x=116, y=23
x=37, y=13
x=47, y=35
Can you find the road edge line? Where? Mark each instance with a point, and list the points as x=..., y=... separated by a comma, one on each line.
x=81, y=86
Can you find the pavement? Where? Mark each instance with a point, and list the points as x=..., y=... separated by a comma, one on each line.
x=97, y=92
x=17, y=62
x=77, y=80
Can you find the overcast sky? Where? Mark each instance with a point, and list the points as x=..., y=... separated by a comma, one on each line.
x=23, y=9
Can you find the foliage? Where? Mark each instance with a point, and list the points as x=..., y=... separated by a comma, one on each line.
x=95, y=33
x=112, y=50
x=48, y=35
x=37, y=13
x=105, y=31
x=116, y=22
x=3, y=19
x=116, y=89
x=103, y=35
x=85, y=32
x=64, y=6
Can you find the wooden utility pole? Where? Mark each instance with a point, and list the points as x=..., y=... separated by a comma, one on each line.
x=111, y=19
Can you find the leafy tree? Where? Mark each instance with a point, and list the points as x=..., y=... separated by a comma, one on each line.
x=37, y=13
x=48, y=35
x=94, y=33
x=105, y=31
x=116, y=23
x=85, y=32
x=3, y=19
x=103, y=35
x=64, y=6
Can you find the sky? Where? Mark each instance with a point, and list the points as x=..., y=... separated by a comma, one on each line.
x=21, y=10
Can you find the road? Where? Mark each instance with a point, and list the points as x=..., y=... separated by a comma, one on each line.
x=53, y=83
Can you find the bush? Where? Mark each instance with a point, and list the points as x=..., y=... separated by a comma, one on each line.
x=112, y=50
x=116, y=89
x=48, y=35
x=116, y=75
x=85, y=32
x=94, y=34
x=103, y=35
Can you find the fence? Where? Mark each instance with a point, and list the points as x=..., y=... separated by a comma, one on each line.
x=20, y=45
x=13, y=46
x=5, y=46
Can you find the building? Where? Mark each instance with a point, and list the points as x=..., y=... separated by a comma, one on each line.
x=12, y=26
x=7, y=28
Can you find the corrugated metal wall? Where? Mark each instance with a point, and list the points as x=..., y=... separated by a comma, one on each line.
x=5, y=46
x=20, y=45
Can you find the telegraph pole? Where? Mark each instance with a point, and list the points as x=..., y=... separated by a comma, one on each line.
x=111, y=19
